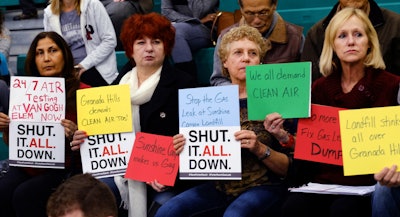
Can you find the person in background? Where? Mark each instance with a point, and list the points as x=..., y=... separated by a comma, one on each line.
x=29, y=10
x=120, y=10
x=286, y=39
x=384, y=22
x=354, y=77
x=88, y=30
x=264, y=161
x=192, y=20
x=25, y=191
x=4, y=97
x=5, y=46
x=82, y=196
x=148, y=41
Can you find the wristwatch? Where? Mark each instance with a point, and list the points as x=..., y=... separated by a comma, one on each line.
x=266, y=154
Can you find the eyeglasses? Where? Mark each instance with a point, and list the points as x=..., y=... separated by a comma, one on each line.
x=251, y=15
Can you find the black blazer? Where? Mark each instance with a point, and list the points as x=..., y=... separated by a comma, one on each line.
x=161, y=115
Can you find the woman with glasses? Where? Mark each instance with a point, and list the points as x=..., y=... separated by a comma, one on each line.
x=286, y=38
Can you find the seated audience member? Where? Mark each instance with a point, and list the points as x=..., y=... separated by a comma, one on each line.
x=120, y=10
x=264, y=162
x=148, y=41
x=193, y=21
x=286, y=39
x=88, y=30
x=383, y=21
x=82, y=196
x=25, y=191
x=354, y=77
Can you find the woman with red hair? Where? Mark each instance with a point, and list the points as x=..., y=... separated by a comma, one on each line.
x=154, y=83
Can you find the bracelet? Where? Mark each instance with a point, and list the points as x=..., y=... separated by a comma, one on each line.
x=289, y=143
x=266, y=154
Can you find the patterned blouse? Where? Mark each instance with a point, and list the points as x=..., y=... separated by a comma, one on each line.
x=254, y=172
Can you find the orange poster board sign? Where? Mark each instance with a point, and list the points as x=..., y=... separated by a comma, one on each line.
x=153, y=158
x=318, y=137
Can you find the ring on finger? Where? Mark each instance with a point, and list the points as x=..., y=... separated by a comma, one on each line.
x=273, y=126
x=70, y=144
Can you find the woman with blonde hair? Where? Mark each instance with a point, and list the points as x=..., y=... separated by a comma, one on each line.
x=88, y=30
x=265, y=162
x=373, y=57
x=354, y=78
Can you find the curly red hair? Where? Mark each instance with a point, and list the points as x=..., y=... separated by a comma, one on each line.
x=152, y=25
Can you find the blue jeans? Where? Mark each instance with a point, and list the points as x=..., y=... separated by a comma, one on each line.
x=159, y=197
x=189, y=38
x=386, y=201
x=206, y=200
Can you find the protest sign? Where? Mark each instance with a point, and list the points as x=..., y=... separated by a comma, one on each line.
x=370, y=139
x=282, y=87
x=37, y=99
x=153, y=158
x=104, y=110
x=318, y=137
x=36, y=136
x=107, y=155
x=208, y=118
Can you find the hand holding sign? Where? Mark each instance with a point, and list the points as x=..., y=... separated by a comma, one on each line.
x=36, y=110
x=104, y=110
x=318, y=137
x=276, y=87
x=370, y=137
x=106, y=155
x=153, y=158
x=208, y=118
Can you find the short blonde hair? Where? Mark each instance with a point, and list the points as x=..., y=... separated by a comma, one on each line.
x=374, y=59
x=239, y=33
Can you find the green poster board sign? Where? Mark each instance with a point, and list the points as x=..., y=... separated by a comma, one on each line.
x=283, y=87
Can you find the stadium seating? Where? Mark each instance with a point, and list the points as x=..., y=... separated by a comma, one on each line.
x=6, y=3
x=121, y=61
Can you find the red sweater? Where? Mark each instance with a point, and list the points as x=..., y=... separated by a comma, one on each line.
x=376, y=89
